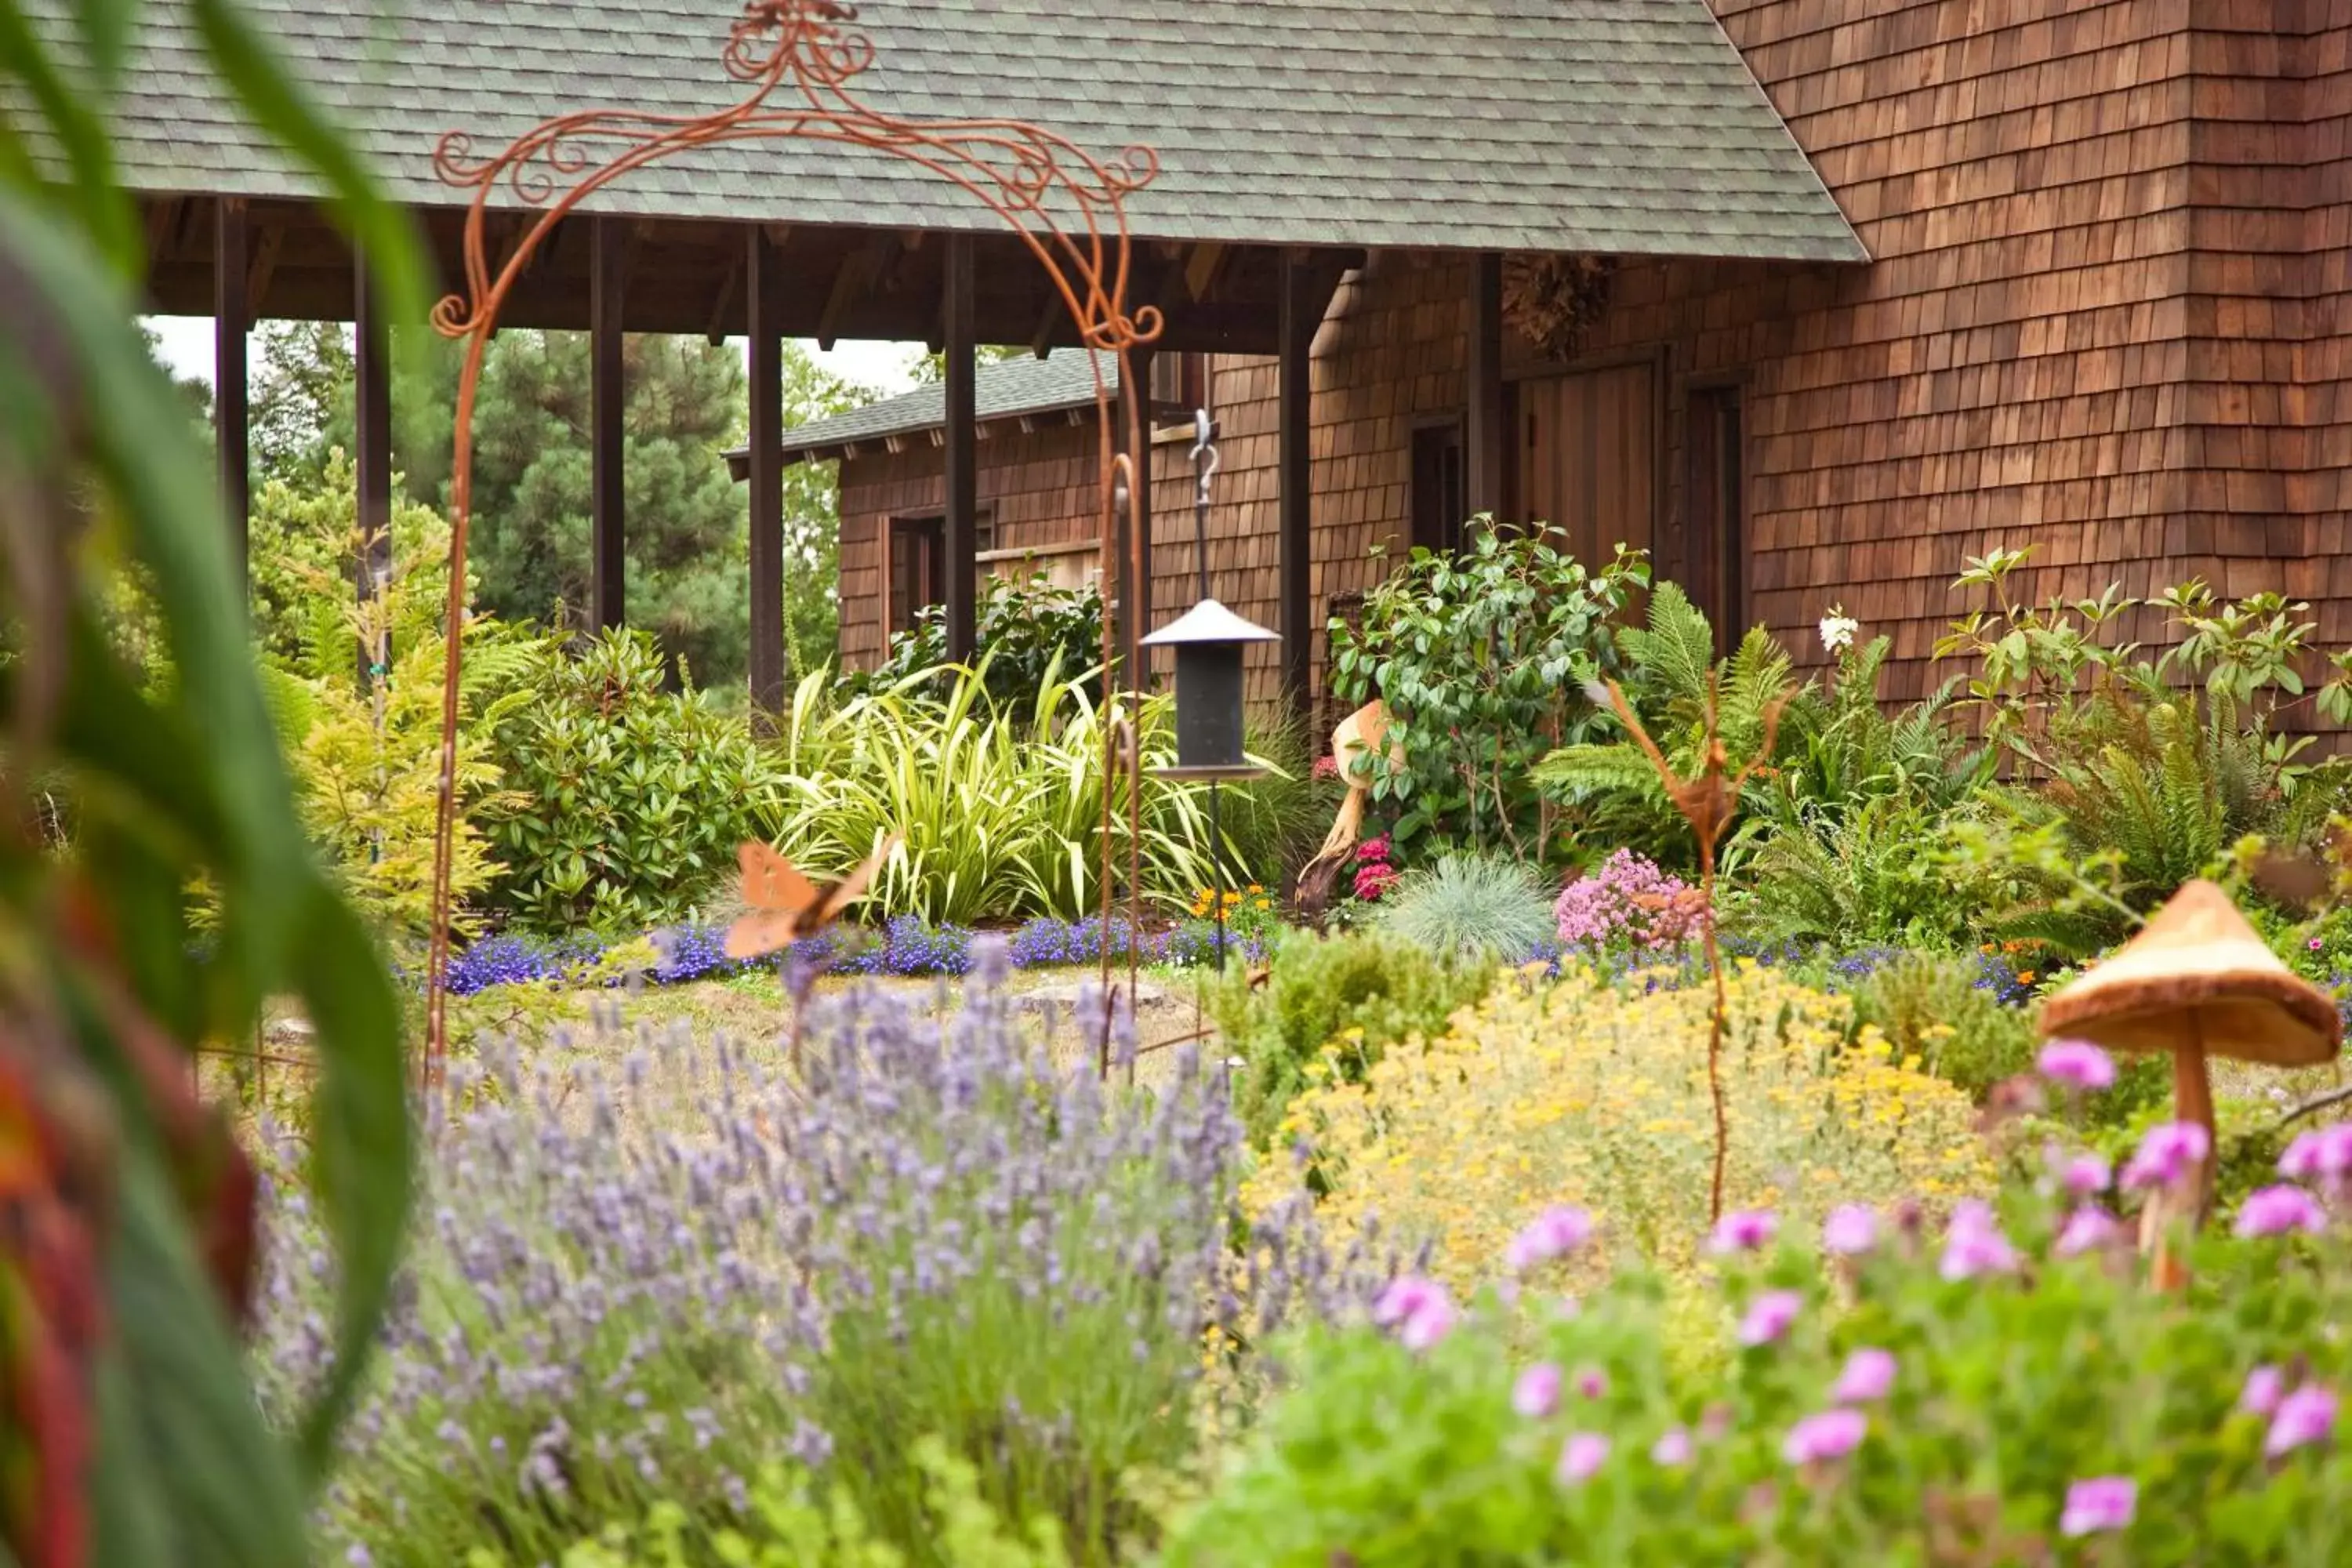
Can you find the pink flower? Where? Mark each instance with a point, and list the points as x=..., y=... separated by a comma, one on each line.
x=1537, y=1393
x=1745, y=1230
x=2324, y=1153
x=2167, y=1156
x=2315, y=944
x=2274, y=1211
x=1868, y=1376
x=1974, y=1244
x=1580, y=1456
x=1851, y=1230
x=1373, y=880
x=1374, y=851
x=2086, y=1176
x=1832, y=1435
x=1769, y=1317
x=1672, y=1449
x=2265, y=1387
x=2101, y=1503
x=1327, y=767
x=2077, y=1063
x=1628, y=902
x=1556, y=1233
x=2087, y=1229
x=1591, y=1382
x=1419, y=1309
x=2304, y=1417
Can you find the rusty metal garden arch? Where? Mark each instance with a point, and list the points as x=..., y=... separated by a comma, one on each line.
x=801, y=60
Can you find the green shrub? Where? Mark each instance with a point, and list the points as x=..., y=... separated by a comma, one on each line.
x=1473, y=909
x=1877, y=871
x=1024, y=629
x=1361, y=994
x=2011, y=1374
x=1000, y=811
x=792, y=1523
x=631, y=796
x=1482, y=658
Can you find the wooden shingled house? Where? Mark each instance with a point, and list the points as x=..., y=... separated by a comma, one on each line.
x=1812, y=297
x=2102, y=311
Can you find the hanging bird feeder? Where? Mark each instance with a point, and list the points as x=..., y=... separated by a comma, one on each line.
x=1209, y=640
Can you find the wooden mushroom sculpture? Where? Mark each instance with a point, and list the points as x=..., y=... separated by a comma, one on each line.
x=2195, y=983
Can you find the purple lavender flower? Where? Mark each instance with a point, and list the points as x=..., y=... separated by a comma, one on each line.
x=1581, y=1458
x=2077, y=1063
x=2275, y=1211
x=1973, y=1245
x=1769, y=1317
x=2265, y=1387
x=2304, y=1417
x=2087, y=1229
x=1536, y=1394
x=2099, y=1505
x=1831, y=1435
x=1555, y=1232
x=1743, y=1230
x=1851, y=1230
x=1672, y=1449
x=2167, y=1156
x=1869, y=1376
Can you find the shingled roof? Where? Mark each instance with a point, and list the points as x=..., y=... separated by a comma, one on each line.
x=1630, y=127
x=1006, y=389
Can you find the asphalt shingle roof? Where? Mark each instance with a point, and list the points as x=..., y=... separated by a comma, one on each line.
x=1002, y=390
x=1620, y=126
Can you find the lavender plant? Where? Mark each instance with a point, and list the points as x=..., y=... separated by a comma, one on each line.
x=651, y=1291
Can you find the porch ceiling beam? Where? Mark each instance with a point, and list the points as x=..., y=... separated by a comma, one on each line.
x=860, y=274
x=261, y=268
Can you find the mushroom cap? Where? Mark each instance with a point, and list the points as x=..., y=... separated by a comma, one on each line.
x=2197, y=977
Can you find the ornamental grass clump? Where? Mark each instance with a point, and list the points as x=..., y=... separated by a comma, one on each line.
x=1587, y=1093
x=652, y=1285
x=2002, y=1387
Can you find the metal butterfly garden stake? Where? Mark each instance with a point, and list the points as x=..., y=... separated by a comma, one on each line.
x=800, y=61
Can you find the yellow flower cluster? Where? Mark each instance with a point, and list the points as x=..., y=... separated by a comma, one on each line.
x=1252, y=898
x=1582, y=1092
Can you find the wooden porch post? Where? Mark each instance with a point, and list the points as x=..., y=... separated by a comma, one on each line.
x=1294, y=473
x=1485, y=443
x=763, y=297
x=1135, y=560
x=372, y=454
x=608, y=561
x=958, y=594
x=232, y=318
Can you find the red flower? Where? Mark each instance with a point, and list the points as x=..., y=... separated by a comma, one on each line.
x=1373, y=880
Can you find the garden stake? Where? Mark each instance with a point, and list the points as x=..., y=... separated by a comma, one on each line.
x=2197, y=982
x=1708, y=803
x=798, y=61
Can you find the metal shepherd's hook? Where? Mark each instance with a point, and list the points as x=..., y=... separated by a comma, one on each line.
x=1205, y=458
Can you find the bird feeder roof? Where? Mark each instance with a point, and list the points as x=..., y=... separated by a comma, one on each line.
x=1209, y=622
x=2199, y=977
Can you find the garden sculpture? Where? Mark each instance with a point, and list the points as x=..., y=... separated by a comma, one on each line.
x=1352, y=742
x=2197, y=982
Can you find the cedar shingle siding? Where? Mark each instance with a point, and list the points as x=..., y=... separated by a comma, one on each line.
x=2105, y=315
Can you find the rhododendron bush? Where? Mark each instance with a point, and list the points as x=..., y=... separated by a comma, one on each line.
x=1581, y=1091
x=1999, y=1387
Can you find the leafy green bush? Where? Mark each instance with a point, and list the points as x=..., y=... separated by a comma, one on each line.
x=630, y=797
x=1881, y=870
x=1000, y=810
x=1025, y=630
x=790, y=1523
x=1473, y=909
x=2001, y=1389
x=1482, y=658
x=1360, y=993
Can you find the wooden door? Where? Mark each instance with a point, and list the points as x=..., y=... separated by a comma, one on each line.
x=1588, y=465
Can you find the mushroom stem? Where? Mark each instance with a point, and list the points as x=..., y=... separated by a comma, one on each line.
x=2192, y=1100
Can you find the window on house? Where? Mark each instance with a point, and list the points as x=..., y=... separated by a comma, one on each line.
x=1588, y=464
x=1713, y=565
x=1437, y=487
x=918, y=554
x=1179, y=386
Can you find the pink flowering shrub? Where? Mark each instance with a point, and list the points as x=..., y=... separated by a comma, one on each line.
x=1376, y=870
x=1997, y=1384
x=1628, y=903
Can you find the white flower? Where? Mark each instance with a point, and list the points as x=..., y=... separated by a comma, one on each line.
x=1838, y=630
